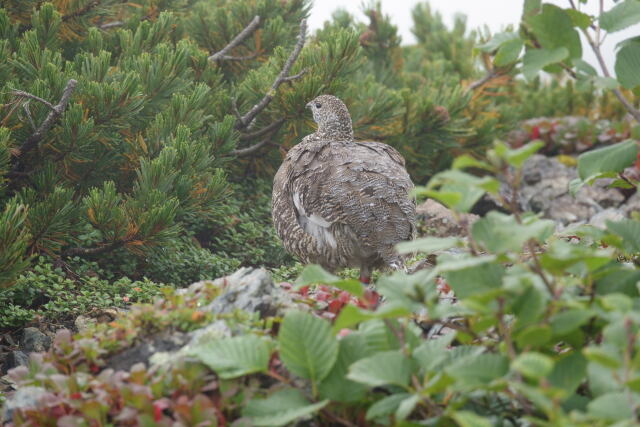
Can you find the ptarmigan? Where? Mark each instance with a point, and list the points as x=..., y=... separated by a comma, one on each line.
x=343, y=203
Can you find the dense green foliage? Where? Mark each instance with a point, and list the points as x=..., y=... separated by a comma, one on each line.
x=125, y=163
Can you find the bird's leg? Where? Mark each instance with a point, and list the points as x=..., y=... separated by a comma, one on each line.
x=365, y=275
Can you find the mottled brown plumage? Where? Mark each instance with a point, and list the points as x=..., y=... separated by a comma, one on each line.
x=339, y=202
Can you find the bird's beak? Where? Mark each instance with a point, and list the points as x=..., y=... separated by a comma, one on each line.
x=308, y=105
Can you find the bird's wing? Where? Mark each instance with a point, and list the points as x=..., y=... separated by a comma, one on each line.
x=362, y=187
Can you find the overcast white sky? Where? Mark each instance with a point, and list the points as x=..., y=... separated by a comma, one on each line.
x=496, y=14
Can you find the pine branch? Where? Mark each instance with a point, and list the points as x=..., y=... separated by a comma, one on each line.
x=271, y=130
x=56, y=111
x=283, y=76
x=113, y=24
x=82, y=11
x=23, y=94
x=93, y=251
x=248, y=30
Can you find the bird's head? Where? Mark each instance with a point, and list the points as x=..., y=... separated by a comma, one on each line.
x=332, y=117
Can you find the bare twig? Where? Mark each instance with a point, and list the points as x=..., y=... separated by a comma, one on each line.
x=481, y=82
x=97, y=250
x=241, y=152
x=595, y=47
x=82, y=11
x=109, y=25
x=282, y=77
x=265, y=130
x=295, y=76
x=248, y=30
x=56, y=111
x=23, y=94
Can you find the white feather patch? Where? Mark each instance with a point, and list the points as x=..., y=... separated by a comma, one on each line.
x=314, y=225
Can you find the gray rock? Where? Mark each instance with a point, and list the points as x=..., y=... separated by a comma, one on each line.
x=141, y=353
x=545, y=189
x=24, y=398
x=632, y=205
x=439, y=221
x=599, y=220
x=15, y=358
x=252, y=290
x=34, y=341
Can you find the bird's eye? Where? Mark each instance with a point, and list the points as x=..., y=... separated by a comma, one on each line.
x=318, y=105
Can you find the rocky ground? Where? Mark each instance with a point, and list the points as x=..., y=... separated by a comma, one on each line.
x=545, y=184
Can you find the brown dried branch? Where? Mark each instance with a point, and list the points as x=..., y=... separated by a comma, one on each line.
x=93, y=251
x=248, y=30
x=491, y=74
x=56, y=111
x=242, y=152
x=23, y=94
x=261, y=132
x=282, y=77
x=109, y=25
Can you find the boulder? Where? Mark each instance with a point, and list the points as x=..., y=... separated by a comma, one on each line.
x=34, y=341
x=545, y=189
x=439, y=221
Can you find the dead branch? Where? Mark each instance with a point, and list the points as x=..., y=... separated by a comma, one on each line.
x=93, y=251
x=242, y=152
x=595, y=47
x=248, y=30
x=257, y=134
x=23, y=94
x=492, y=74
x=282, y=77
x=113, y=24
x=56, y=111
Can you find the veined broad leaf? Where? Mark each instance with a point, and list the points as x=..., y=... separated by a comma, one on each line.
x=621, y=16
x=336, y=386
x=385, y=368
x=234, y=357
x=307, y=346
x=281, y=408
x=613, y=158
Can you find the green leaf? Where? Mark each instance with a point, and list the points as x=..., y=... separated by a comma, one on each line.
x=498, y=40
x=466, y=161
x=307, y=346
x=406, y=407
x=553, y=29
x=474, y=280
x=579, y=19
x=352, y=315
x=605, y=82
x=569, y=320
x=281, y=408
x=234, y=357
x=508, y=53
x=613, y=158
x=603, y=355
x=313, y=274
x=629, y=230
x=386, y=406
x=534, y=336
x=569, y=372
x=336, y=386
x=428, y=244
x=533, y=365
x=536, y=59
x=431, y=354
x=612, y=406
x=478, y=370
x=470, y=419
x=516, y=157
x=621, y=16
x=385, y=368
x=499, y=232
x=628, y=64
